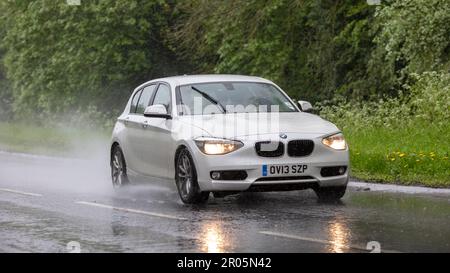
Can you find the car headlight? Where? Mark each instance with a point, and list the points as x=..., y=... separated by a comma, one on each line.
x=213, y=146
x=336, y=142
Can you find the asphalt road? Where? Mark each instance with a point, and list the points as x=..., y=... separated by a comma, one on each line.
x=47, y=204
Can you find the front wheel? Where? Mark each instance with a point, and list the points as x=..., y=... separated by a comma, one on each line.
x=186, y=180
x=330, y=193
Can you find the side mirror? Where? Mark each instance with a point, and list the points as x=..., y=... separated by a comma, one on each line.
x=156, y=111
x=305, y=106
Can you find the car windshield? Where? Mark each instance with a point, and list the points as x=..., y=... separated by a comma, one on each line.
x=232, y=97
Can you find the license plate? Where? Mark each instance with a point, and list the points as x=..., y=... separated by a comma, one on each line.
x=284, y=170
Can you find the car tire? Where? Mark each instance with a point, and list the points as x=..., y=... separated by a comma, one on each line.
x=186, y=179
x=330, y=193
x=119, y=177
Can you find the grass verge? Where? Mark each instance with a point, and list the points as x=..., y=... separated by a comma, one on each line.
x=30, y=138
x=415, y=155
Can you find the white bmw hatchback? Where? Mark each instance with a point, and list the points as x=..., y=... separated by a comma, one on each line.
x=226, y=134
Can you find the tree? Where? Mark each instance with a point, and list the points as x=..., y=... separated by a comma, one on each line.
x=63, y=58
x=412, y=37
x=5, y=90
x=311, y=48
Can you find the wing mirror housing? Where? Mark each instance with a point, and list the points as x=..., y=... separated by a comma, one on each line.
x=157, y=111
x=305, y=106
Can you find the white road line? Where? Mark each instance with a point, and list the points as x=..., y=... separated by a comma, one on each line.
x=20, y=192
x=398, y=188
x=38, y=156
x=131, y=210
x=320, y=241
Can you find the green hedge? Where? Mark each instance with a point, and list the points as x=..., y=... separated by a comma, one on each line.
x=403, y=140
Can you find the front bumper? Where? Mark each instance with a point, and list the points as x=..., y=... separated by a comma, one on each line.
x=246, y=159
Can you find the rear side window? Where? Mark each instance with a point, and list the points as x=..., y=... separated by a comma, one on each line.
x=144, y=100
x=134, y=102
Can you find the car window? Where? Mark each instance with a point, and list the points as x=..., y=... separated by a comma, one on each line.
x=134, y=101
x=163, y=96
x=144, y=100
x=236, y=97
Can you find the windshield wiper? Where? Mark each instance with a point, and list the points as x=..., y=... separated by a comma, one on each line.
x=208, y=97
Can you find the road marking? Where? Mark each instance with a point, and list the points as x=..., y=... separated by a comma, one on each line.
x=37, y=156
x=398, y=188
x=320, y=241
x=131, y=210
x=21, y=192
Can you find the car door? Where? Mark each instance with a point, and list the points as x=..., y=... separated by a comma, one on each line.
x=156, y=134
x=129, y=122
x=134, y=124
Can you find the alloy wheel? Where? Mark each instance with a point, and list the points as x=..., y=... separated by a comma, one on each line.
x=184, y=172
x=118, y=170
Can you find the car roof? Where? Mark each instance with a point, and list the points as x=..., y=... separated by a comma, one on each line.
x=190, y=79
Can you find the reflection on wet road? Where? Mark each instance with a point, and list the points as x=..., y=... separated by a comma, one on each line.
x=339, y=236
x=45, y=204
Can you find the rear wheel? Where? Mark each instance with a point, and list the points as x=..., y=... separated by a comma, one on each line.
x=119, y=176
x=186, y=180
x=330, y=193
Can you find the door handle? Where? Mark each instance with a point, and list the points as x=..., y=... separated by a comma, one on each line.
x=145, y=124
x=126, y=120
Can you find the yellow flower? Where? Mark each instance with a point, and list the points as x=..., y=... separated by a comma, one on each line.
x=417, y=160
x=402, y=155
x=392, y=159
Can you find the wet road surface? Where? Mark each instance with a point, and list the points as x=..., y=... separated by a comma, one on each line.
x=46, y=203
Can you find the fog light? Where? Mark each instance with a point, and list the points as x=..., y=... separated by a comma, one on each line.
x=215, y=175
x=333, y=171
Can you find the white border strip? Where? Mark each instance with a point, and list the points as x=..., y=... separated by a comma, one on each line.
x=21, y=192
x=398, y=188
x=37, y=156
x=320, y=241
x=131, y=210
